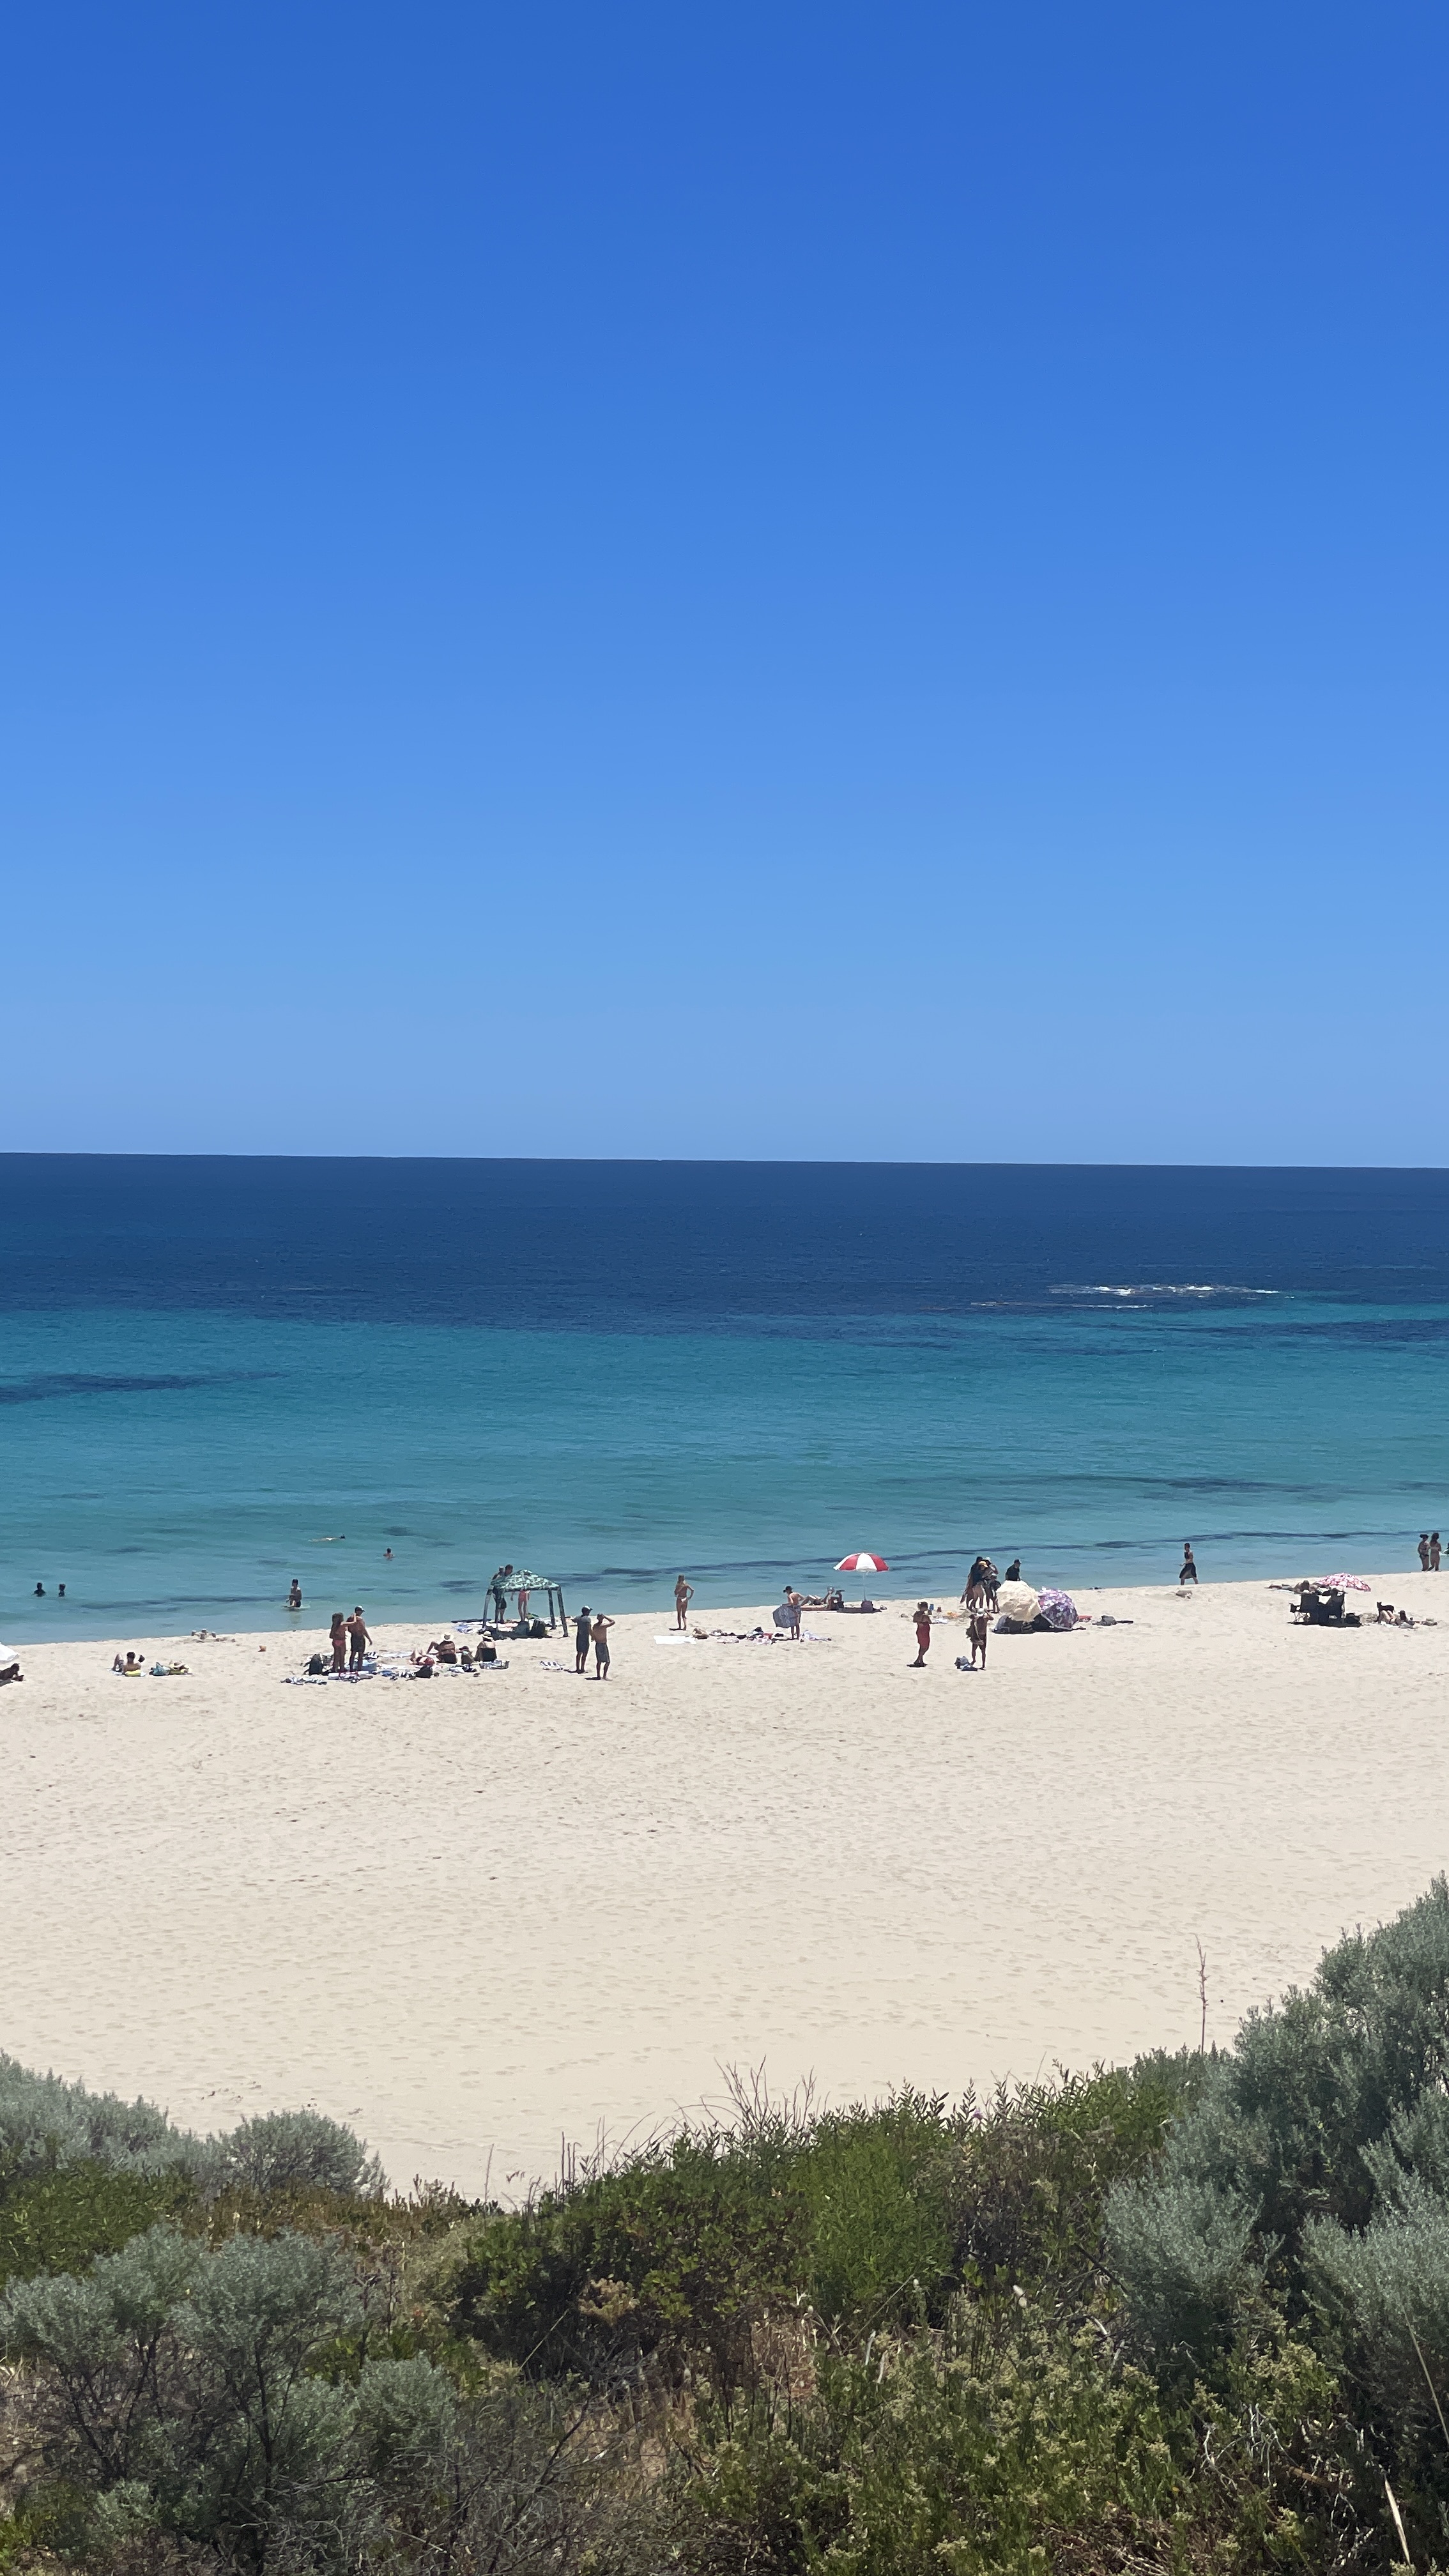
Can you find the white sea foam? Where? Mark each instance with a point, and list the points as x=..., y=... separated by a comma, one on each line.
x=1161, y=1288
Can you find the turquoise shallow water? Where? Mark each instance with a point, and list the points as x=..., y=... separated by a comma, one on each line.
x=192, y=1413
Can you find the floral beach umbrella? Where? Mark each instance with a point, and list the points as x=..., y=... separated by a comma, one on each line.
x=1341, y=1583
x=1058, y=1609
x=860, y=1563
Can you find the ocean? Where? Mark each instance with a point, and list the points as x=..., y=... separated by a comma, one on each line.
x=218, y=1373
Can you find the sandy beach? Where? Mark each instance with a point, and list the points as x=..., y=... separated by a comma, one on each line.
x=478, y=1917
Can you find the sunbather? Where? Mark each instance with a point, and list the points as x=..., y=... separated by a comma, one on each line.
x=11, y=1673
x=444, y=1650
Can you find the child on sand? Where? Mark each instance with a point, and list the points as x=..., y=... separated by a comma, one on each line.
x=923, y=1635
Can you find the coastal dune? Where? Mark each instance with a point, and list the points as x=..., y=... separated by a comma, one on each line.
x=479, y=1918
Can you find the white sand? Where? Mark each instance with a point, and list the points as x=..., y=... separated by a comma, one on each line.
x=473, y=1917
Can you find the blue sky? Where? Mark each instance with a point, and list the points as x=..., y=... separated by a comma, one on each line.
x=725, y=580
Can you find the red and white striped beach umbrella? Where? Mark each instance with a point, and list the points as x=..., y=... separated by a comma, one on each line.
x=862, y=1564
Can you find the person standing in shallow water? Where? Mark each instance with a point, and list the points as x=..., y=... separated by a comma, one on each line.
x=1187, y=1571
x=1433, y=1551
x=1424, y=1550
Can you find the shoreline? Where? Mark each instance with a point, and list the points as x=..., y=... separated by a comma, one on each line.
x=1153, y=1562
x=483, y=1916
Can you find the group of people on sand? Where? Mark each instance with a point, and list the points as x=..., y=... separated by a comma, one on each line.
x=446, y=1650
x=349, y=1640
x=981, y=1600
x=591, y=1628
x=498, y=1590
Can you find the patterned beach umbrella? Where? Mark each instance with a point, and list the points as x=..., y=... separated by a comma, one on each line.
x=862, y=1564
x=1341, y=1583
x=1058, y=1609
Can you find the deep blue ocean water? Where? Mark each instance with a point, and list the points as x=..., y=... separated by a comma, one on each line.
x=218, y=1373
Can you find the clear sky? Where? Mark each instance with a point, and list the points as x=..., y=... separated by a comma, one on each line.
x=725, y=577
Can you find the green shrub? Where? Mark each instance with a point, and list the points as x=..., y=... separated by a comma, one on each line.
x=45, y=2122
x=184, y=2390
x=973, y=2457
x=58, y=2219
x=1292, y=2126
x=669, y=2258
x=1038, y=2164
x=879, y=2192
x=1386, y=2293
x=1179, y=2251
x=47, y=2125
x=292, y=2150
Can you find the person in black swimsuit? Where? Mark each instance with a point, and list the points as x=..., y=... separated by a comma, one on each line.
x=582, y=1627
